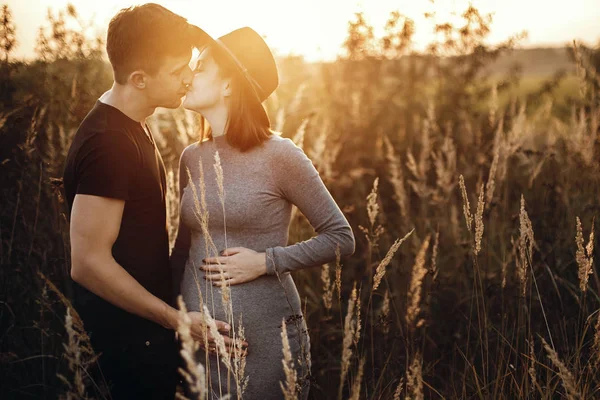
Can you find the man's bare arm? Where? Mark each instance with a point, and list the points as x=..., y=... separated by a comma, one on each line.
x=95, y=224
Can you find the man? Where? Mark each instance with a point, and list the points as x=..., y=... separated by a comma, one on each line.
x=115, y=186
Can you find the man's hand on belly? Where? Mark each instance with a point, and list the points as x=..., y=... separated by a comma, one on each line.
x=199, y=329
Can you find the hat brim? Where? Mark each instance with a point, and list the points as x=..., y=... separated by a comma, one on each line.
x=203, y=40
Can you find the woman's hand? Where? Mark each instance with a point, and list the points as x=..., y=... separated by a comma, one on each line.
x=239, y=265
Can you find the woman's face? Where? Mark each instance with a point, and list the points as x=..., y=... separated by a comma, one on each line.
x=208, y=89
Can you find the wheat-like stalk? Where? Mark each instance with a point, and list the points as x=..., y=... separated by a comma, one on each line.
x=525, y=248
x=398, y=390
x=349, y=334
x=596, y=345
x=219, y=174
x=445, y=169
x=327, y=287
x=428, y=127
x=202, y=215
x=466, y=204
x=590, y=246
x=76, y=389
x=385, y=312
x=172, y=202
x=491, y=183
x=568, y=380
x=503, y=270
x=324, y=153
x=298, y=139
x=531, y=369
x=411, y=164
x=479, y=221
x=194, y=372
x=225, y=287
x=434, y=255
x=289, y=388
x=279, y=120
x=380, y=271
x=414, y=379
x=357, y=324
x=396, y=177
x=239, y=360
x=218, y=339
x=414, y=292
x=297, y=100
x=581, y=71
x=200, y=207
x=584, y=256
x=300, y=133
x=372, y=205
x=355, y=392
x=338, y=272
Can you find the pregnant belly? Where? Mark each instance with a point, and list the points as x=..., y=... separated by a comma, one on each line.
x=261, y=304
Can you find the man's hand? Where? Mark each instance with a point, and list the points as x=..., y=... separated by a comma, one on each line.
x=223, y=328
x=239, y=265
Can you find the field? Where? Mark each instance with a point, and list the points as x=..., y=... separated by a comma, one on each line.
x=492, y=177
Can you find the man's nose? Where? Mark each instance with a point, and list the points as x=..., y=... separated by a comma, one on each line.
x=187, y=77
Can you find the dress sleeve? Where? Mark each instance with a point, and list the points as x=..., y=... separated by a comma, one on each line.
x=299, y=182
x=107, y=165
x=181, y=249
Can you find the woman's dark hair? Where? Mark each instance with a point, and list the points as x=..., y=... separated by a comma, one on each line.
x=140, y=37
x=247, y=125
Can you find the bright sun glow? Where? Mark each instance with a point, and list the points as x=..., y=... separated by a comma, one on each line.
x=316, y=29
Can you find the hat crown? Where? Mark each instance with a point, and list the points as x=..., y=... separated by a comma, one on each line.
x=254, y=58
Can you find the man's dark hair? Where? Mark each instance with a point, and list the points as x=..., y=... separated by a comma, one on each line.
x=140, y=37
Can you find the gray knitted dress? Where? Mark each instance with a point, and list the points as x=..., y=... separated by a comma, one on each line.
x=260, y=186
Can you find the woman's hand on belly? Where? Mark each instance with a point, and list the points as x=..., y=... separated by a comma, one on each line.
x=238, y=264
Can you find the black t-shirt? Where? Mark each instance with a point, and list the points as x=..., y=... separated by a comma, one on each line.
x=111, y=156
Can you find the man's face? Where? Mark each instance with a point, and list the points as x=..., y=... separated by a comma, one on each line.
x=168, y=86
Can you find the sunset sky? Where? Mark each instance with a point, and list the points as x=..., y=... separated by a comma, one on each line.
x=317, y=28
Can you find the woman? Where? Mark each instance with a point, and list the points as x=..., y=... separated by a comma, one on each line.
x=249, y=212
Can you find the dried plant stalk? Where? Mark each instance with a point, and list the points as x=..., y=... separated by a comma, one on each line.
x=525, y=246
x=479, y=221
x=327, y=287
x=568, y=380
x=584, y=256
x=349, y=335
x=380, y=271
x=414, y=379
x=414, y=291
x=338, y=272
x=194, y=372
x=466, y=204
x=289, y=389
x=355, y=392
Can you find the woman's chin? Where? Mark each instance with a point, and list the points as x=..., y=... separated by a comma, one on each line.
x=187, y=103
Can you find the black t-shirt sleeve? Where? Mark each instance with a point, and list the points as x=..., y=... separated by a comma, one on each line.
x=106, y=165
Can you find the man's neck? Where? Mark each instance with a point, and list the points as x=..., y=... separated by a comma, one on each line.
x=128, y=102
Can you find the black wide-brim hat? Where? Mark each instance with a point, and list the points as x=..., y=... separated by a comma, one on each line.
x=250, y=55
